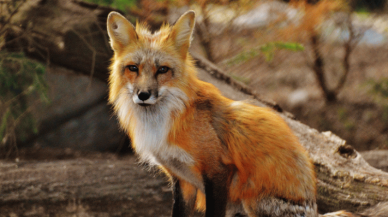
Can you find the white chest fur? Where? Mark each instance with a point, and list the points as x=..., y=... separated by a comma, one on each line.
x=150, y=140
x=151, y=144
x=152, y=126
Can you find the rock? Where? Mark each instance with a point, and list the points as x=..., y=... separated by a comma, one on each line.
x=95, y=130
x=377, y=158
x=298, y=98
x=77, y=116
x=69, y=93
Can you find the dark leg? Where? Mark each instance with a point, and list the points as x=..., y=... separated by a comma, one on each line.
x=216, y=195
x=178, y=208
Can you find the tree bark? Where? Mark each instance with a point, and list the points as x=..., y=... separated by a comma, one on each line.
x=72, y=34
x=319, y=69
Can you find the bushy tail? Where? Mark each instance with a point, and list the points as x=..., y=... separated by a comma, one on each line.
x=380, y=210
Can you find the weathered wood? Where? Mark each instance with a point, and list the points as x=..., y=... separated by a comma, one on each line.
x=89, y=185
x=73, y=35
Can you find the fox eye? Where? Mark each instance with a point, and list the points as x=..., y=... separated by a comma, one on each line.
x=133, y=68
x=163, y=70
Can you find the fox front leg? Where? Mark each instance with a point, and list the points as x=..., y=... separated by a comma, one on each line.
x=178, y=207
x=182, y=207
x=216, y=192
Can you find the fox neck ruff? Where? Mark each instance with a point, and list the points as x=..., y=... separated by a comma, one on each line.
x=149, y=126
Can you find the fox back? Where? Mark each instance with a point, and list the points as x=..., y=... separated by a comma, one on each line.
x=220, y=154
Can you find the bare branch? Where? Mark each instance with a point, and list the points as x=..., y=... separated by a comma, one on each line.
x=349, y=47
x=2, y=28
x=318, y=67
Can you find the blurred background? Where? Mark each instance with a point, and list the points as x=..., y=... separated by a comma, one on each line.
x=325, y=61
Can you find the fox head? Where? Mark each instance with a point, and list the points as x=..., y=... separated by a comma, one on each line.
x=148, y=67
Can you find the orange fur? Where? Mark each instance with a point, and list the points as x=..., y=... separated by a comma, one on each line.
x=262, y=155
x=263, y=170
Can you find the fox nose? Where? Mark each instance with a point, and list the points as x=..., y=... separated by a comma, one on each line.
x=143, y=96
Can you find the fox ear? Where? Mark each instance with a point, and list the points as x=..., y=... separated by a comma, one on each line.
x=121, y=32
x=182, y=31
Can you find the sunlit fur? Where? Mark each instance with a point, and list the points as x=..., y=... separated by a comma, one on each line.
x=193, y=130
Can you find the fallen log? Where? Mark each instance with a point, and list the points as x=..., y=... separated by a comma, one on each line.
x=72, y=34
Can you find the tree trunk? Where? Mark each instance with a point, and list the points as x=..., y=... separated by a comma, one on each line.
x=319, y=69
x=72, y=34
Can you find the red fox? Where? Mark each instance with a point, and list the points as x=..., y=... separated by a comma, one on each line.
x=224, y=157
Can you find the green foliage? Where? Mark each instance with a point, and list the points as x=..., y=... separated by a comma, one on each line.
x=242, y=79
x=379, y=88
x=343, y=116
x=379, y=91
x=19, y=78
x=268, y=50
x=244, y=56
x=119, y=4
x=362, y=12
